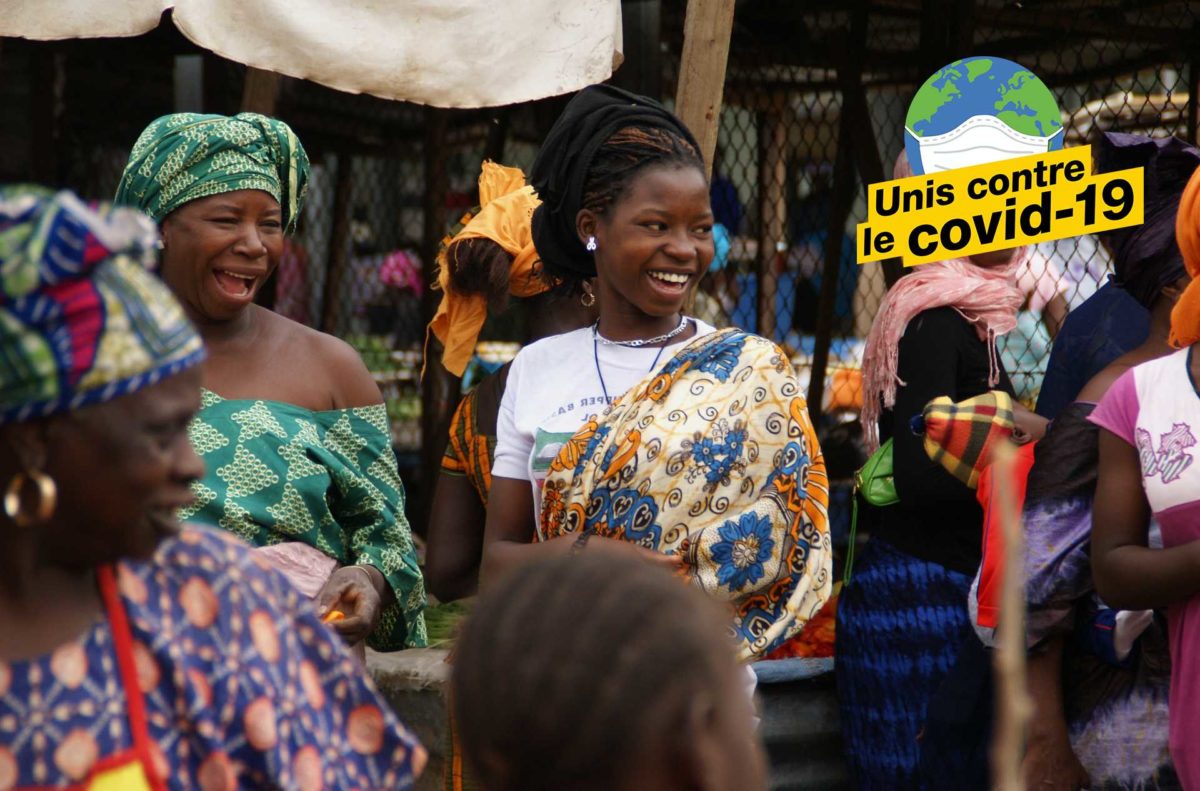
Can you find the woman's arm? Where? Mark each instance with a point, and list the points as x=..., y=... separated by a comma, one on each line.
x=370, y=511
x=1054, y=314
x=510, y=528
x=351, y=384
x=454, y=549
x=1128, y=574
x=508, y=535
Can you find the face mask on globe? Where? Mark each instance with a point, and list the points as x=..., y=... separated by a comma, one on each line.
x=978, y=140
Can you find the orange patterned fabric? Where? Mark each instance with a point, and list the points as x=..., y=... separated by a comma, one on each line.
x=505, y=216
x=1185, y=317
x=469, y=452
x=713, y=459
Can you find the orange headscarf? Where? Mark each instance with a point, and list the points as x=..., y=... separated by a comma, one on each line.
x=506, y=208
x=1185, y=316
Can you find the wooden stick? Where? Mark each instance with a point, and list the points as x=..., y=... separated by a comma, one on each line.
x=339, y=244
x=706, y=32
x=260, y=91
x=1013, y=706
x=772, y=194
x=842, y=202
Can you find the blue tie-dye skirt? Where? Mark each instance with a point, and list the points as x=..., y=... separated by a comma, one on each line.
x=914, y=682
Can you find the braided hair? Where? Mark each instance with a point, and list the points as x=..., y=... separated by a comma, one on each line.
x=480, y=266
x=570, y=668
x=616, y=164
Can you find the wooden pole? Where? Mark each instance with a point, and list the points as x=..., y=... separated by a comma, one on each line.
x=1193, y=115
x=1013, y=705
x=339, y=243
x=497, y=136
x=43, y=113
x=439, y=388
x=260, y=91
x=706, y=32
x=641, y=34
x=839, y=211
x=260, y=94
x=861, y=129
x=772, y=196
x=867, y=158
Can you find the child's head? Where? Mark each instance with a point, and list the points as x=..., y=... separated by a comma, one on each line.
x=594, y=672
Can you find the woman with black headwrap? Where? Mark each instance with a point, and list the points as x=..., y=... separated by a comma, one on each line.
x=649, y=431
x=1101, y=704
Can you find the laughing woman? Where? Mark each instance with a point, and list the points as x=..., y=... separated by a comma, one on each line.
x=292, y=428
x=650, y=433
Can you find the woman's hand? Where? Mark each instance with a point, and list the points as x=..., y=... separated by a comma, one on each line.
x=354, y=591
x=618, y=548
x=1051, y=765
x=1029, y=426
x=509, y=534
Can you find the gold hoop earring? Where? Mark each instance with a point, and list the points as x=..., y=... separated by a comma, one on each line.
x=587, y=299
x=47, y=499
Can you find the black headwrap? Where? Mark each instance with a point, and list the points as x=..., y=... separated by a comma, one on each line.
x=1146, y=257
x=562, y=164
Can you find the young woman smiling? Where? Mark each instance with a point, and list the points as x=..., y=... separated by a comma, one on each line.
x=650, y=431
x=292, y=427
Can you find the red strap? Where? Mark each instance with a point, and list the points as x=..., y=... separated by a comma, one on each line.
x=135, y=703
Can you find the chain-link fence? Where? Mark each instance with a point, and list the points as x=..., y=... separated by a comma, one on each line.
x=781, y=192
x=814, y=105
x=814, y=108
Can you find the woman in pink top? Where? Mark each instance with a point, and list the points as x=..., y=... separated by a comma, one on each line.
x=1148, y=446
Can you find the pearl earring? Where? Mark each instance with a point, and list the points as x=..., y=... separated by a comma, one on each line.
x=591, y=244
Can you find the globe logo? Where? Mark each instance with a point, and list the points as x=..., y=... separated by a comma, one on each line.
x=980, y=110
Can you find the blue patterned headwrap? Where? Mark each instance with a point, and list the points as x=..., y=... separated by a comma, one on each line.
x=82, y=321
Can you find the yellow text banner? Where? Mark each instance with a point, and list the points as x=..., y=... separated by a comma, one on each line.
x=996, y=206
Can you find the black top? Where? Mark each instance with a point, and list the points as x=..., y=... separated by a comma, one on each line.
x=938, y=518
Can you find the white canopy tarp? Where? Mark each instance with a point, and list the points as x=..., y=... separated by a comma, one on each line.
x=445, y=53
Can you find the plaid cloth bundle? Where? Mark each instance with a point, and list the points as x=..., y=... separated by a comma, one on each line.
x=960, y=436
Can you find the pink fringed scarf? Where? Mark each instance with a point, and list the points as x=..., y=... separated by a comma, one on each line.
x=987, y=297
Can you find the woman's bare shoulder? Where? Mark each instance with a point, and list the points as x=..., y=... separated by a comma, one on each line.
x=1099, y=384
x=330, y=359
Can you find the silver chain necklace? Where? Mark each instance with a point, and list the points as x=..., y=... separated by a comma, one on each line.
x=636, y=342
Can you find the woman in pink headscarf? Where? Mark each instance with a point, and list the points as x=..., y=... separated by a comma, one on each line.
x=907, y=655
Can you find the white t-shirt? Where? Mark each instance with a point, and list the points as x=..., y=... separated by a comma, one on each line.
x=553, y=387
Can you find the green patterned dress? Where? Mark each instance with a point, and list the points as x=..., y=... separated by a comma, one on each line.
x=278, y=472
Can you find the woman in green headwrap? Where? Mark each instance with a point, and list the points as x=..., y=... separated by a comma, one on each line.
x=292, y=429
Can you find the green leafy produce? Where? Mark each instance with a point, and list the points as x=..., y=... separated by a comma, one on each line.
x=442, y=623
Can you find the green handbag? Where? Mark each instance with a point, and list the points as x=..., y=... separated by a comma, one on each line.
x=876, y=482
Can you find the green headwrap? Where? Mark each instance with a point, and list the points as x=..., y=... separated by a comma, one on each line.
x=185, y=156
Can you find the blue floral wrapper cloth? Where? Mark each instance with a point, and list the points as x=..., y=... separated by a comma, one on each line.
x=714, y=459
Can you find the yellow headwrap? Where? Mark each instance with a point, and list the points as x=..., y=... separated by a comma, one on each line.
x=1185, y=317
x=505, y=216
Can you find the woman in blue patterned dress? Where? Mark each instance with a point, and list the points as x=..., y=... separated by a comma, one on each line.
x=136, y=654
